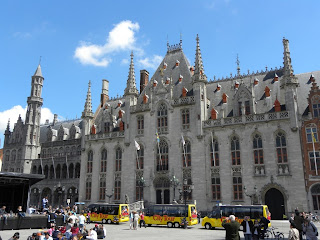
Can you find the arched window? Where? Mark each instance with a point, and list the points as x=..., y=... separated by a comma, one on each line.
x=214, y=153
x=185, y=115
x=7, y=156
x=40, y=170
x=235, y=151
x=140, y=158
x=77, y=170
x=46, y=171
x=216, y=188
x=13, y=156
x=58, y=171
x=312, y=130
x=257, y=149
x=90, y=161
x=162, y=156
x=281, y=147
x=102, y=188
x=237, y=188
x=34, y=169
x=73, y=150
x=64, y=171
x=51, y=173
x=61, y=153
x=162, y=115
x=186, y=154
x=140, y=124
x=316, y=105
x=88, y=188
x=118, y=159
x=49, y=152
x=79, y=150
x=19, y=156
x=71, y=170
x=103, y=167
x=117, y=189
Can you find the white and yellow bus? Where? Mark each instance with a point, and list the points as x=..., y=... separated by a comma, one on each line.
x=172, y=215
x=109, y=213
x=219, y=213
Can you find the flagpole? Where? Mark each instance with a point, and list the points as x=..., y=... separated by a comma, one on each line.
x=314, y=153
x=184, y=153
x=213, y=152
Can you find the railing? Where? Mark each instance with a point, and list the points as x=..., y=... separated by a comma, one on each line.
x=184, y=101
x=246, y=119
x=140, y=108
x=105, y=135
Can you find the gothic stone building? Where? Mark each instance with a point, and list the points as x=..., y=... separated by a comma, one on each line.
x=235, y=140
x=51, y=149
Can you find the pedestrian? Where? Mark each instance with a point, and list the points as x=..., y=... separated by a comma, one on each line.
x=293, y=232
x=298, y=220
x=131, y=220
x=46, y=236
x=199, y=217
x=264, y=223
x=4, y=214
x=135, y=220
x=92, y=235
x=256, y=230
x=82, y=220
x=88, y=216
x=45, y=203
x=309, y=229
x=247, y=227
x=100, y=232
x=15, y=236
x=142, y=220
x=232, y=228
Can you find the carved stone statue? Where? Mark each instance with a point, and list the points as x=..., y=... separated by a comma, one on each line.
x=126, y=199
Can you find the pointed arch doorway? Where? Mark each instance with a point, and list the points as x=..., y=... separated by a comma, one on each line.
x=275, y=201
x=162, y=186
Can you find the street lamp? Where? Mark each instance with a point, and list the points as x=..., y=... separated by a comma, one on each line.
x=253, y=196
x=174, y=183
x=141, y=184
x=186, y=189
x=109, y=196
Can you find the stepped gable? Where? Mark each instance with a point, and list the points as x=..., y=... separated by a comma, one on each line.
x=174, y=54
x=65, y=124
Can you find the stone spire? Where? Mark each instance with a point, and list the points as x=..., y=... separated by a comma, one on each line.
x=38, y=72
x=288, y=76
x=288, y=71
x=238, y=65
x=131, y=82
x=88, y=105
x=199, y=70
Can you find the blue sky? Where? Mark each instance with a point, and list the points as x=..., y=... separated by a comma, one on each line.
x=80, y=41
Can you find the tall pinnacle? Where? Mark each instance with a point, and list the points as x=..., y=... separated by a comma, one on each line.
x=88, y=105
x=238, y=65
x=38, y=71
x=288, y=71
x=131, y=82
x=199, y=70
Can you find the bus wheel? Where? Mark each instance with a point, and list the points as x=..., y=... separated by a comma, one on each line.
x=176, y=224
x=104, y=221
x=207, y=226
x=149, y=225
x=109, y=221
x=169, y=224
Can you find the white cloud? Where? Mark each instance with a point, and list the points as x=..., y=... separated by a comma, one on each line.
x=125, y=61
x=151, y=62
x=120, y=38
x=14, y=113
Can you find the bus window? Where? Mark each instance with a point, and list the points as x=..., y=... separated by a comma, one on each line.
x=256, y=211
x=172, y=211
x=157, y=210
x=229, y=211
x=124, y=210
x=243, y=211
x=215, y=212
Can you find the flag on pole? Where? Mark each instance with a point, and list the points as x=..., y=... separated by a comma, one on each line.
x=136, y=145
x=213, y=151
x=184, y=153
x=157, y=136
x=314, y=152
x=182, y=139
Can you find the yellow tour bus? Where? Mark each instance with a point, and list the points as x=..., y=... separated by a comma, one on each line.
x=172, y=215
x=219, y=213
x=108, y=213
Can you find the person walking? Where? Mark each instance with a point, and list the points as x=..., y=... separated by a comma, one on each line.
x=131, y=220
x=142, y=220
x=135, y=220
x=82, y=220
x=232, y=228
x=247, y=227
x=293, y=232
x=309, y=229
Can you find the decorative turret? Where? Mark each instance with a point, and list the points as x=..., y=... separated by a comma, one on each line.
x=88, y=105
x=238, y=65
x=288, y=76
x=131, y=88
x=199, y=70
x=7, y=133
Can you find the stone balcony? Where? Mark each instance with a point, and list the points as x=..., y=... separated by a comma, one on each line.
x=245, y=119
x=105, y=135
x=183, y=101
x=140, y=108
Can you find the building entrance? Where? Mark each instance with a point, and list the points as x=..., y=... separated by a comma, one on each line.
x=163, y=196
x=275, y=201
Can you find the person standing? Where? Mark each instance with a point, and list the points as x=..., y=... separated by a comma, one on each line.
x=256, y=230
x=309, y=229
x=247, y=227
x=298, y=221
x=45, y=203
x=232, y=228
x=82, y=220
x=131, y=220
x=142, y=220
x=264, y=223
x=293, y=232
x=135, y=220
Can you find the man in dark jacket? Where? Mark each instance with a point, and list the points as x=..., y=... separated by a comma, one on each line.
x=298, y=220
x=264, y=223
x=232, y=228
x=247, y=226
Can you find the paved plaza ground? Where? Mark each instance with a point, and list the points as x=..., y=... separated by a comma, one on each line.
x=122, y=231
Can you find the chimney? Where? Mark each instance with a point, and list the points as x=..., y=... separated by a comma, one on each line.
x=144, y=79
x=105, y=92
x=55, y=119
